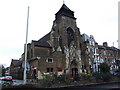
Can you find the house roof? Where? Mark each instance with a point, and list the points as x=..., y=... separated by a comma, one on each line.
x=32, y=59
x=14, y=61
x=43, y=42
x=64, y=10
x=87, y=39
x=19, y=63
x=106, y=47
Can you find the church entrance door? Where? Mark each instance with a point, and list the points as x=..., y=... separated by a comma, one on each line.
x=74, y=69
x=74, y=72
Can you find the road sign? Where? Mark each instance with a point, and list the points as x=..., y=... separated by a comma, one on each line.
x=27, y=65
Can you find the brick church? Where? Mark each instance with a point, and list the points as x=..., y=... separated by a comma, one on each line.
x=59, y=51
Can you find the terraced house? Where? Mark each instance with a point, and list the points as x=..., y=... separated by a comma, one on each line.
x=64, y=50
x=89, y=53
x=110, y=55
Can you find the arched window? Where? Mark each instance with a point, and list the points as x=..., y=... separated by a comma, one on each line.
x=70, y=35
x=60, y=41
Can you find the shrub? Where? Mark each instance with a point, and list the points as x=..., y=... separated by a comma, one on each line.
x=97, y=76
x=104, y=68
x=106, y=76
x=83, y=76
x=65, y=79
x=47, y=81
x=102, y=76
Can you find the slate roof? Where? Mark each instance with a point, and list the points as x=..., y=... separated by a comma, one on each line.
x=64, y=10
x=101, y=47
x=19, y=63
x=65, y=7
x=32, y=59
x=14, y=61
x=86, y=38
x=43, y=42
x=106, y=47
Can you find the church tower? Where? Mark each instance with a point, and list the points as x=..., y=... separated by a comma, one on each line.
x=65, y=38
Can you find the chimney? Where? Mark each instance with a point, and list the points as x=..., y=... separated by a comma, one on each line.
x=105, y=44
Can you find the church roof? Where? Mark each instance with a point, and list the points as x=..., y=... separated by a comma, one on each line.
x=45, y=38
x=43, y=42
x=64, y=10
x=65, y=7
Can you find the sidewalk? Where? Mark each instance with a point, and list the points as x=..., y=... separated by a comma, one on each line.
x=20, y=82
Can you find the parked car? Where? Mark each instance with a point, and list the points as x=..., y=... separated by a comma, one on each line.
x=6, y=78
x=2, y=78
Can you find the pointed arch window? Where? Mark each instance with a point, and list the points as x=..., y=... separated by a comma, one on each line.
x=60, y=41
x=70, y=35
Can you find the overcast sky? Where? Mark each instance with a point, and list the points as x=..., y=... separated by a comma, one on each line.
x=94, y=17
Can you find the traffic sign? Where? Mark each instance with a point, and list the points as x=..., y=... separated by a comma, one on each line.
x=27, y=65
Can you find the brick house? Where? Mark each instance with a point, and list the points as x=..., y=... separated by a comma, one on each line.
x=109, y=55
x=13, y=68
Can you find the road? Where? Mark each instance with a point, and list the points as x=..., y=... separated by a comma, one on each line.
x=106, y=86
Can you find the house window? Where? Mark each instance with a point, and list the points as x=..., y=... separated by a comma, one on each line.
x=49, y=69
x=50, y=60
x=93, y=43
x=104, y=52
x=83, y=66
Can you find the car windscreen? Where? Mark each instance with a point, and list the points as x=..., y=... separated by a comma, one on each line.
x=8, y=76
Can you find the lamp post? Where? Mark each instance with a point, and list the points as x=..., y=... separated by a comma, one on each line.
x=26, y=47
x=118, y=43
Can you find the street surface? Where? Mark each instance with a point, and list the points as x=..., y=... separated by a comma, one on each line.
x=106, y=86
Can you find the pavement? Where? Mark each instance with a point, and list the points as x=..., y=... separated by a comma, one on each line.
x=20, y=82
x=17, y=82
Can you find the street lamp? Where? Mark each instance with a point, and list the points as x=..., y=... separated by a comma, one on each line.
x=25, y=68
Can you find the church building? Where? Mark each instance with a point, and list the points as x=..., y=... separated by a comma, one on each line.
x=58, y=52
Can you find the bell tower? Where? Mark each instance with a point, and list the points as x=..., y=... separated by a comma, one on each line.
x=65, y=36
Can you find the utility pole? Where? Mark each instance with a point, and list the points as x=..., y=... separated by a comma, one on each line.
x=119, y=24
x=26, y=47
